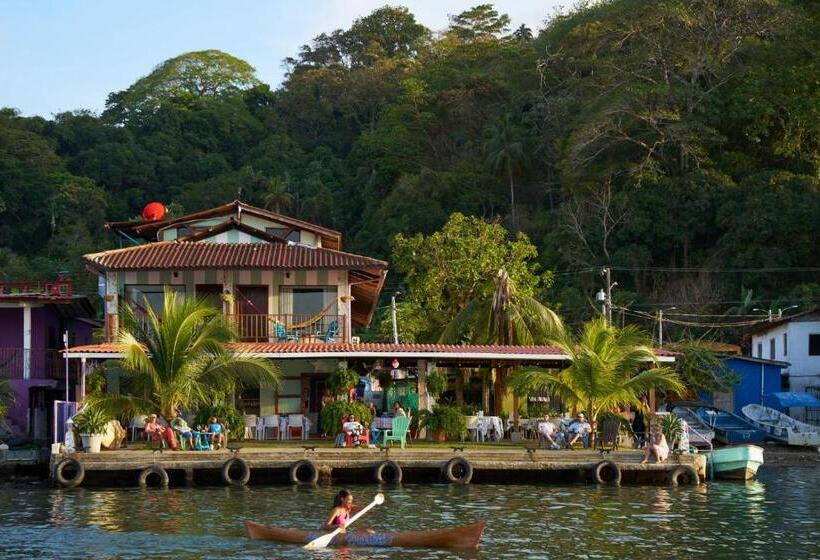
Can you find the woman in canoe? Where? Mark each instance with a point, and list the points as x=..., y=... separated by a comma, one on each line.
x=340, y=514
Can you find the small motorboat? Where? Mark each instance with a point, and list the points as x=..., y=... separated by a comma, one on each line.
x=729, y=428
x=465, y=536
x=782, y=427
x=739, y=462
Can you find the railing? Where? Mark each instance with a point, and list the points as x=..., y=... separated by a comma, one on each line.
x=37, y=288
x=41, y=364
x=290, y=328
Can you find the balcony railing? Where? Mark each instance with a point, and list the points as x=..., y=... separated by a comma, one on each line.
x=290, y=328
x=41, y=364
x=37, y=288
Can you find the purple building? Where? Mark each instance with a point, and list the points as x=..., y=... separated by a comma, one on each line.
x=33, y=319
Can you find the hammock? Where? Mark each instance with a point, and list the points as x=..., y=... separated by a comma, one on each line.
x=314, y=319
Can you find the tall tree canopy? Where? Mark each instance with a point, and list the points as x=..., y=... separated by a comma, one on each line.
x=664, y=139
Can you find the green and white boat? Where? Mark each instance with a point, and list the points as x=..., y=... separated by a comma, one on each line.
x=739, y=462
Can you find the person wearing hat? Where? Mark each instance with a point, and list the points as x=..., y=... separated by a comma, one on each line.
x=158, y=432
x=579, y=429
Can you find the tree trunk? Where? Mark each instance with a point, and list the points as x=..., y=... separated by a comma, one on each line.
x=512, y=200
x=499, y=390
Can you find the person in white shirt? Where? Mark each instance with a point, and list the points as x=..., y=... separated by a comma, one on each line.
x=353, y=428
x=548, y=433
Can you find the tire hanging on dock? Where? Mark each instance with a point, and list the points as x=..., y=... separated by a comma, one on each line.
x=458, y=470
x=684, y=475
x=299, y=469
x=388, y=472
x=607, y=472
x=153, y=469
x=73, y=464
x=244, y=471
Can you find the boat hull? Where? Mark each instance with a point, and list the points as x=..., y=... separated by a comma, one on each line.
x=736, y=463
x=782, y=427
x=466, y=536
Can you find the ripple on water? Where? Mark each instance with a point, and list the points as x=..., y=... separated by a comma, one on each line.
x=775, y=517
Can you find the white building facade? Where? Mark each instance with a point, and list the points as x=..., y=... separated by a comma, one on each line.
x=795, y=340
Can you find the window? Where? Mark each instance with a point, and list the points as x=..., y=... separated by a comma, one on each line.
x=280, y=232
x=138, y=296
x=759, y=349
x=785, y=344
x=306, y=302
x=814, y=345
x=771, y=349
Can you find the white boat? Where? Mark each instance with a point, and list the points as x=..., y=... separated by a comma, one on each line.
x=782, y=427
x=699, y=433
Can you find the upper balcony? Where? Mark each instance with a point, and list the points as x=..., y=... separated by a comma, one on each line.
x=37, y=289
x=290, y=328
x=25, y=363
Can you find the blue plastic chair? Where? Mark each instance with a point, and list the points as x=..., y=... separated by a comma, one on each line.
x=331, y=333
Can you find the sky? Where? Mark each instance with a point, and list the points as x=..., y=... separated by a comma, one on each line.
x=64, y=55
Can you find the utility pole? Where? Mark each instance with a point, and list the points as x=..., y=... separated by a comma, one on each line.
x=608, y=272
x=393, y=317
x=660, y=326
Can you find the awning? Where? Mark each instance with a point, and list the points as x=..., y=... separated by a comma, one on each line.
x=787, y=400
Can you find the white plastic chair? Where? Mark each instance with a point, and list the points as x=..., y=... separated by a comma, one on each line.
x=296, y=421
x=270, y=422
x=250, y=425
x=137, y=427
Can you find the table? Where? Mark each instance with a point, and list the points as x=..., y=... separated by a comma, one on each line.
x=383, y=422
x=481, y=427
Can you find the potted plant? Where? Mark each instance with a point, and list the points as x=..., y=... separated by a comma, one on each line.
x=436, y=383
x=672, y=430
x=91, y=424
x=444, y=422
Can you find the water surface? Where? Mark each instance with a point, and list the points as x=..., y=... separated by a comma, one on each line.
x=774, y=517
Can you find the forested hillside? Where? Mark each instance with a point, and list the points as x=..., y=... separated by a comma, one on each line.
x=675, y=141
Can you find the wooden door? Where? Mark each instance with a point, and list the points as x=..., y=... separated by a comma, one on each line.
x=252, y=313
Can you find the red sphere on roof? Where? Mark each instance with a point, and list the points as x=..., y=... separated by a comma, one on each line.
x=153, y=211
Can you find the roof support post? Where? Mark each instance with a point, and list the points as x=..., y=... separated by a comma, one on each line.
x=112, y=306
x=26, y=340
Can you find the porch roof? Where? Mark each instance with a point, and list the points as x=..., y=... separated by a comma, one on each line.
x=443, y=352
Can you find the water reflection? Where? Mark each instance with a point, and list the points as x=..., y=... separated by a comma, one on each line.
x=773, y=518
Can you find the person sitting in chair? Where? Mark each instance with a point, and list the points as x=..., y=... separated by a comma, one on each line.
x=217, y=432
x=354, y=429
x=548, y=434
x=158, y=432
x=398, y=410
x=185, y=433
x=579, y=429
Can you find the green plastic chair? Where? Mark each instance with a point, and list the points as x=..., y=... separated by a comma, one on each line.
x=401, y=425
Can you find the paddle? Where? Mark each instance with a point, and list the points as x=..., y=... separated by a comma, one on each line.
x=324, y=540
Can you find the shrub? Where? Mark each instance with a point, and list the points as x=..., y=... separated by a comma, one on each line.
x=445, y=418
x=226, y=414
x=91, y=421
x=342, y=380
x=436, y=382
x=332, y=414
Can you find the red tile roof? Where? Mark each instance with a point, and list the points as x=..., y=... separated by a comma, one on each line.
x=536, y=352
x=204, y=255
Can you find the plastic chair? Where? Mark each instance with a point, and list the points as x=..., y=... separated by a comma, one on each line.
x=401, y=425
x=270, y=422
x=250, y=425
x=296, y=422
x=137, y=427
x=331, y=333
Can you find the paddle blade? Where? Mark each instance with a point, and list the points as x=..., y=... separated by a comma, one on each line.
x=379, y=499
x=321, y=542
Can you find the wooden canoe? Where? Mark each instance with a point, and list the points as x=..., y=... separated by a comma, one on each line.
x=465, y=536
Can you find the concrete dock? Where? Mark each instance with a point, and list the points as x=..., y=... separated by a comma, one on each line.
x=300, y=465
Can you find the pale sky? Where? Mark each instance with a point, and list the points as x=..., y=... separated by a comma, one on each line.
x=62, y=55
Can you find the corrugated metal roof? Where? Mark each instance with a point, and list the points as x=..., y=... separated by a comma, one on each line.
x=204, y=255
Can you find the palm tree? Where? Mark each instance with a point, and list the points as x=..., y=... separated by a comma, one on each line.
x=7, y=396
x=522, y=34
x=277, y=195
x=608, y=369
x=506, y=154
x=179, y=361
x=506, y=317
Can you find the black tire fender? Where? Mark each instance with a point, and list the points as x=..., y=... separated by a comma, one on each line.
x=684, y=475
x=458, y=470
x=153, y=469
x=388, y=467
x=77, y=479
x=607, y=472
x=245, y=471
x=299, y=468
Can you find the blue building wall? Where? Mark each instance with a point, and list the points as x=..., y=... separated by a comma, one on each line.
x=747, y=391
